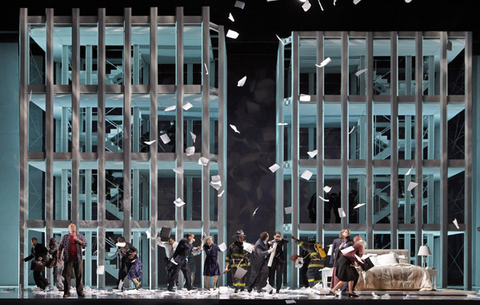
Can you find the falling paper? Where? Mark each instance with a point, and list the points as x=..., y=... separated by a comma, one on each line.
x=408, y=1
x=222, y=247
x=231, y=17
x=351, y=130
x=232, y=34
x=179, y=202
x=305, y=98
x=187, y=105
x=290, y=302
x=216, y=179
x=288, y=210
x=194, y=136
x=411, y=186
x=312, y=153
x=306, y=6
x=455, y=222
x=323, y=199
x=216, y=186
x=203, y=161
x=341, y=212
x=409, y=171
x=120, y=245
x=306, y=174
x=242, y=81
x=274, y=168
x=247, y=247
x=30, y=96
x=171, y=108
x=330, y=250
x=327, y=189
x=319, y=3
x=148, y=234
x=240, y=4
x=221, y=193
x=234, y=128
x=240, y=273
x=281, y=40
x=150, y=142
x=100, y=269
x=325, y=62
x=255, y=212
x=206, y=68
x=282, y=124
x=360, y=72
x=178, y=170
x=190, y=150
x=165, y=138
x=347, y=250
x=359, y=205
x=173, y=261
x=356, y=1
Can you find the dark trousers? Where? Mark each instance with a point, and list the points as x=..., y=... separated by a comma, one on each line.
x=258, y=276
x=40, y=279
x=277, y=267
x=314, y=276
x=73, y=265
x=186, y=274
x=125, y=266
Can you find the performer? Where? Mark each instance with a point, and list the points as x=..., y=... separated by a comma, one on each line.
x=211, y=268
x=259, y=270
x=170, y=247
x=39, y=254
x=128, y=256
x=278, y=263
x=72, y=243
x=343, y=241
x=57, y=267
x=237, y=257
x=317, y=260
x=346, y=271
x=179, y=262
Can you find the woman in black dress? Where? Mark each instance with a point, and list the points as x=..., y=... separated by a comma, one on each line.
x=346, y=271
x=211, y=267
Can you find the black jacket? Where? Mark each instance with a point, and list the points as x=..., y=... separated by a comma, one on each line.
x=183, y=249
x=336, y=249
x=37, y=251
x=280, y=250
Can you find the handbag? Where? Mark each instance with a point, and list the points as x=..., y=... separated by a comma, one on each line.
x=38, y=265
x=366, y=264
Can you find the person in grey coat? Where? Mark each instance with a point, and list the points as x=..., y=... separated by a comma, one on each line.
x=259, y=259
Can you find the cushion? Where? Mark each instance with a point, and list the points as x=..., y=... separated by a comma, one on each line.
x=385, y=260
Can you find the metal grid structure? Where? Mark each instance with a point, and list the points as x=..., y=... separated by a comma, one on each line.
x=380, y=97
x=83, y=153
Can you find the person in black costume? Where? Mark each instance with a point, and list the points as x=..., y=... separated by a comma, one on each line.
x=39, y=254
x=259, y=269
x=278, y=263
x=179, y=261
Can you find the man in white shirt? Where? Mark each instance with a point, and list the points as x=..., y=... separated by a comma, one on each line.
x=170, y=246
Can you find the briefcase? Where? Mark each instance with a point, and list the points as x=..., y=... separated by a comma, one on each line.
x=366, y=264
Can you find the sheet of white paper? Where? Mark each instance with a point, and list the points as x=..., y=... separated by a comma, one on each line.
x=190, y=150
x=234, y=128
x=411, y=186
x=242, y=81
x=222, y=247
x=173, y=261
x=305, y=98
x=351, y=130
x=306, y=174
x=306, y=6
x=325, y=62
x=327, y=189
x=170, y=108
x=120, y=245
x=274, y=167
x=150, y=142
x=330, y=250
x=30, y=96
x=312, y=153
x=221, y=193
x=216, y=178
x=255, y=212
x=323, y=199
x=288, y=210
x=455, y=222
x=203, y=161
x=100, y=269
x=240, y=4
x=178, y=170
x=356, y=1
x=409, y=171
x=231, y=17
x=359, y=205
x=247, y=247
x=206, y=68
x=281, y=40
x=360, y=72
x=120, y=285
x=232, y=34
x=341, y=212
x=290, y=302
x=408, y=1
x=179, y=202
x=216, y=186
x=165, y=138
x=347, y=250
x=148, y=234
x=187, y=105
x=282, y=124
x=240, y=273
x=194, y=136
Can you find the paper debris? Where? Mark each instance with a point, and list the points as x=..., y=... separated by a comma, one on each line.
x=221, y=193
x=170, y=108
x=178, y=170
x=150, y=142
x=281, y=40
x=408, y=1
x=247, y=247
x=386, y=296
x=351, y=130
x=203, y=161
x=306, y=174
x=234, y=128
x=306, y=6
x=282, y=124
x=455, y=222
x=327, y=189
x=288, y=210
x=374, y=295
x=231, y=17
x=206, y=68
x=187, y=105
x=240, y=4
x=325, y=62
x=323, y=199
x=216, y=186
x=242, y=81
x=216, y=179
x=341, y=212
x=255, y=212
x=240, y=273
x=319, y=3
x=173, y=261
x=359, y=205
x=305, y=98
x=274, y=168
x=101, y=269
x=30, y=96
x=222, y=247
x=148, y=234
x=356, y=1
x=190, y=150
x=165, y=138
x=290, y=302
x=312, y=153
x=179, y=202
x=411, y=186
x=194, y=136
x=360, y=72
x=232, y=34
x=409, y=171
x=347, y=250
x=120, y=245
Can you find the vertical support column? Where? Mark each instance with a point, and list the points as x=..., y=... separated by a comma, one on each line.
x=179, y=81
x=153, y=148
x=101, y=147
x=418, y=144
x=65, y=64
x=344, y=129
x=319, y=141
x=75, y=114
x=23, y=125
x=205, y=120
x=469, y=230
x=127, y=125
x=280, y=140
x=136, y=65
x=295, y=142
x=369, y=140
x=394, y=141
x=408, y=75
x=89, y=64
x=87, y=275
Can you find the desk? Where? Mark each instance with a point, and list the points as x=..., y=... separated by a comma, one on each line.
x=433, y=273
